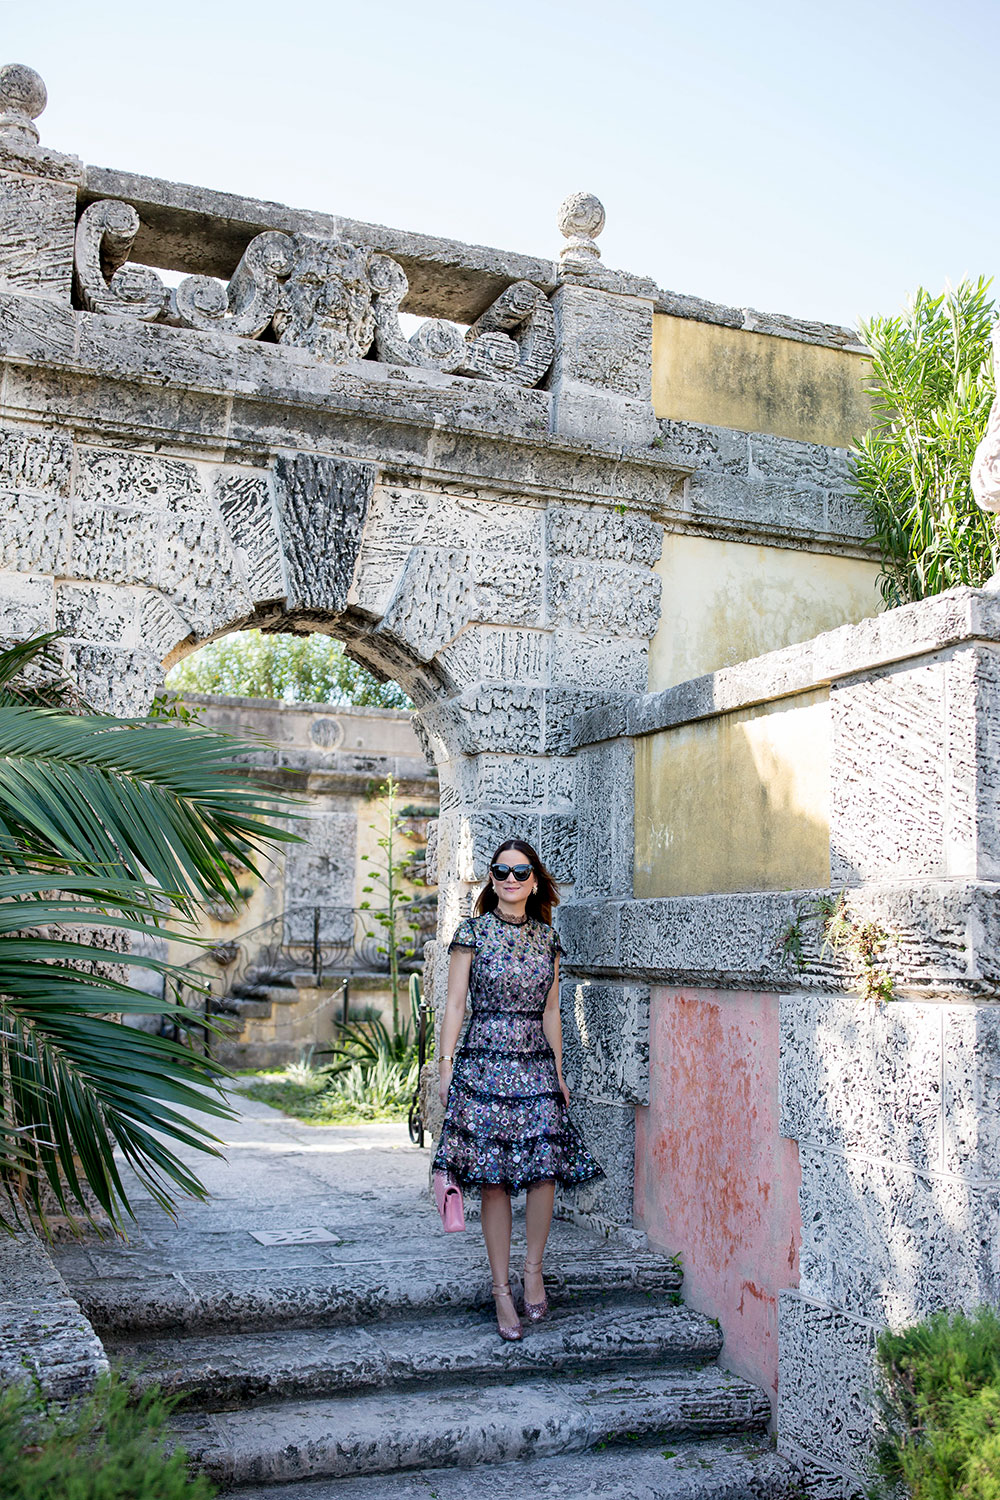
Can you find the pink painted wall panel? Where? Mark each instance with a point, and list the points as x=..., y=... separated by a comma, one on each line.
x=714, y=1180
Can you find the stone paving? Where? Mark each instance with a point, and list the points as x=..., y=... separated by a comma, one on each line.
x=353, y=1353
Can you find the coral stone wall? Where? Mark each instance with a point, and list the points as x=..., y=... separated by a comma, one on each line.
x=715, y=1183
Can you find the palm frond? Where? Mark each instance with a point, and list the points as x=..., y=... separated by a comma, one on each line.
x=157, y=800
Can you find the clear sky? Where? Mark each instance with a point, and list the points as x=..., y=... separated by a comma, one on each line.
x=811, y=158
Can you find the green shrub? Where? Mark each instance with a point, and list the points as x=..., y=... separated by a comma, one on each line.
x=108, y=1446
x=941, y=1408
x=932, y=386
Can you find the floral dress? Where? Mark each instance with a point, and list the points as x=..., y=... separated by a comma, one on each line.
x=506, y=1122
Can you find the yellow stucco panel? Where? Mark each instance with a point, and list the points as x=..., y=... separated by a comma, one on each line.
x=757, y=382
x=724, y=602
x=735, y=803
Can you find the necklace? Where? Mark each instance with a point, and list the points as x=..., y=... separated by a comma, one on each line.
x=510, y=921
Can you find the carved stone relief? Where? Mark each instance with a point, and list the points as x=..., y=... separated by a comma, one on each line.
x=326, y=295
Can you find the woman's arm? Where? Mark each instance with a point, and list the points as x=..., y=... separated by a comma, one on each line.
x=552, y=1026
x=454, y=1014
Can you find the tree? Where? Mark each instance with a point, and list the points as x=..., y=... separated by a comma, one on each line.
x=294, y=668
x=104, y=823
x=932, y=387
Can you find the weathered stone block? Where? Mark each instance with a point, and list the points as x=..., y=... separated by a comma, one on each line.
x=115, y=544
x=199, y=574
x=604, y=801
x=510, y=781
x=322, y=504
x=562, y=705
x=37, y=227
x=115, y=680
x=514, y=655
x=557, y=846
x=600, y=533
x=26, y=605
x=616, y=598
x=605, y=341
x=161, y=626
x=616, y=666
x=609, y=1132
x=889, y=1244
x=322, y=871
x=246, y=505
x=434, y=598
x=492, y=717
x=95, y=612
x=34, y=532
x=861, y=1077
x=35, y=461
x=590, y=934
x=887, y=775
x=971, y=1060
x=144, y=481
x=826, y=1380
x=606, y=1040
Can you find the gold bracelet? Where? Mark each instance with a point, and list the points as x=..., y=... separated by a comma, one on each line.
x=447, y=1057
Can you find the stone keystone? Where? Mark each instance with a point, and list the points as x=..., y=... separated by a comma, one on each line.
x=22, y=98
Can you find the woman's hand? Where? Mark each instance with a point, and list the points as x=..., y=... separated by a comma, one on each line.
x=444, y=1080
x=565, y=1090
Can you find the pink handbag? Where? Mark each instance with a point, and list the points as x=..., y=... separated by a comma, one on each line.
x=448, y=1197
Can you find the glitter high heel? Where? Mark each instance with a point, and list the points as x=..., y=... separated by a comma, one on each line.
x=535, y=1311
x=512, y=1332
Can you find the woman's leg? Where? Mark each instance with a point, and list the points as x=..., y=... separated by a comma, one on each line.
x=495, y=1215
x=538, y=1219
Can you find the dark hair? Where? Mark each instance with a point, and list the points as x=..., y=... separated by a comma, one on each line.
x=540, y=903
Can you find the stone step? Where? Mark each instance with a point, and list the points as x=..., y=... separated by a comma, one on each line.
x=348, y=1291
x=231, y=1370
x=715, y=1469
x=460, y=1425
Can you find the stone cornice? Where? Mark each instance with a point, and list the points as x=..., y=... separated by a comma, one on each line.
x=943, y=939
x=222, y=397
x=958, y=617
x=201, y=230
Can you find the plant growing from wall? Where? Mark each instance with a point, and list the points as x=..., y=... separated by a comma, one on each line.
x=940, y=1408
x=931, y=385
x=862, y=944
x=388, y=878
x=103, y=821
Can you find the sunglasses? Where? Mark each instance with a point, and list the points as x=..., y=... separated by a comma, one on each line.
x=519, y=872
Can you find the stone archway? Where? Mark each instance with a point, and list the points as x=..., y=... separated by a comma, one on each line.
x=477, y=516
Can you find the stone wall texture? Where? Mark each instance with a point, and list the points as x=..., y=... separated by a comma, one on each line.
x=825, y=1164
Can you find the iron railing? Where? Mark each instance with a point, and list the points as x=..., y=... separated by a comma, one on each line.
x=320, y=941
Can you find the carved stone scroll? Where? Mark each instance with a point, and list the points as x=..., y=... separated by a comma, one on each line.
x=524, y=314
x=251, y=299
x=436, y=345
x=513, y=342
x=107, y=282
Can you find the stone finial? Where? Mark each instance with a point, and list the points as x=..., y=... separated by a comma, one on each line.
x=22, y=99
x=581, y=219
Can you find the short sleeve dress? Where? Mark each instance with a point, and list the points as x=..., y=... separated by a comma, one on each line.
x=506, y=1122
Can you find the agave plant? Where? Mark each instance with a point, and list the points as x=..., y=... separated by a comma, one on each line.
x=105, y=824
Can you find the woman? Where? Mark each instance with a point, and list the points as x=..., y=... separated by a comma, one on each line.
x=506, y=1125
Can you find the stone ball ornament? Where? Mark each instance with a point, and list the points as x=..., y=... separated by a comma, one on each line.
x=23, y=96
x=581, y=219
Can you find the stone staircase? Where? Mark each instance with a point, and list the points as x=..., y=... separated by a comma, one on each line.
x=376, y=1376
